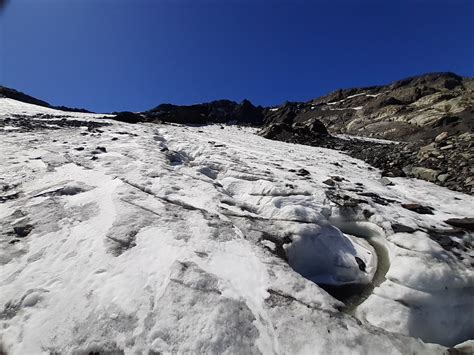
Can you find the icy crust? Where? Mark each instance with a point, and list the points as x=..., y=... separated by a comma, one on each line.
x=326, y=256
x=186, y=239
x=435, y=304
x=10, y=107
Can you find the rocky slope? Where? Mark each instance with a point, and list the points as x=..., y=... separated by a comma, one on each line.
x=431, y=116
x=415, y=108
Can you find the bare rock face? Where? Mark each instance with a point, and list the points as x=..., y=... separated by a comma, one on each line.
x=420, y=107
x=431, y=116
x=281, y=131
x=129, y=117
x=221, y=111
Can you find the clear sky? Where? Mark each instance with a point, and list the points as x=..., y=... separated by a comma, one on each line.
x=111, y=55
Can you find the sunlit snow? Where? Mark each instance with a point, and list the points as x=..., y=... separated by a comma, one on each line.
x=208, y=240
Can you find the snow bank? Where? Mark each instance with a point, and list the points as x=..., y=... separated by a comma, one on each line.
x=187, y=239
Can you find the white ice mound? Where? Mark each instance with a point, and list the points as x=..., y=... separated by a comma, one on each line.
x=324, y=255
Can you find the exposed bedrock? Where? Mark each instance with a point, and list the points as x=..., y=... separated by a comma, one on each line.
x=430, y=116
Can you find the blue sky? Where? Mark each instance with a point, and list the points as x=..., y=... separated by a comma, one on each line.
x=108, y=55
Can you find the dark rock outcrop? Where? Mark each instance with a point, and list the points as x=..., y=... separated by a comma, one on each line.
x=464, y=223
x=20, y=96
x=283, y=131
x=128, y=117
x=221, y=111
x=420, y=209
x=26, y=123
x=401, y=228
x=22, y=229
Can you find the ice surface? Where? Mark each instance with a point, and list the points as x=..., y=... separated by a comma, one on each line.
x=326, y=256
x=205, y=240
x=10, y=107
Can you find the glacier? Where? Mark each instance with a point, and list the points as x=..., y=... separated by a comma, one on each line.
x=162, y=238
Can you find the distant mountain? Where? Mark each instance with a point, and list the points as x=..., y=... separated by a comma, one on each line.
x=221, y=111
x=414, y=108
x=20, y=96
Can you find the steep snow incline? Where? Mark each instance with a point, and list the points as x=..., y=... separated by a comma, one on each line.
x=138, y=238
x=9, y=108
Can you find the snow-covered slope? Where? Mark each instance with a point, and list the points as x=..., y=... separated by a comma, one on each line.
x=9, y=107
x=160, y=238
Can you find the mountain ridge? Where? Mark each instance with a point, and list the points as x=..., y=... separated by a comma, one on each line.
x=431, y=115
x=20, y=96
x=23, y=97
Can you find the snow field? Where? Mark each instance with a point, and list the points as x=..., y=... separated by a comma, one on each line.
x=206, y=240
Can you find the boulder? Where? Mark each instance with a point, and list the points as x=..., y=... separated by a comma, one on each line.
x=273, y=130
x=386, y=181
x=425, y=173
x=465, y=223
x=401, y=228
x=22, y=229
x=415, y=207
x=427, y=150
x=303, y=172
x=443, y=177
x=329, y=182
x=316, y=126
x=441, y=137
